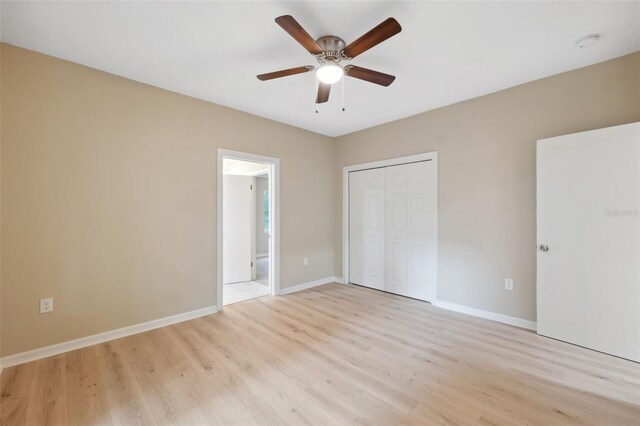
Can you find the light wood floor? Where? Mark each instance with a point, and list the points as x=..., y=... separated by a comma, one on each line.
x=331, y=355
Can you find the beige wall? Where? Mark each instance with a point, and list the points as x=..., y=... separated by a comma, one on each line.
x=1, y=48
x=109, y=190
x=486, y=155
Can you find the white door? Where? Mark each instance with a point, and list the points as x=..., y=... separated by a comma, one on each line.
x=412, y=229
x=356, y=228
x=375, y=229
x=396, y=256
x=588, y=273
x=367, y=228
x=237, y=221
x=422, y=230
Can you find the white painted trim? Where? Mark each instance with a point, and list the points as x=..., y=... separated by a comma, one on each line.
x=254, y=268
x=393, y=161
x=274, y=217
x=83, y=342
x=493, y=316
x=252, y=174
x=262, y=255
x=310, y=284
x=433, y=156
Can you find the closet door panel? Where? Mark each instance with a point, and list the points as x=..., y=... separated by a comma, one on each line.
x=421, y=230
x=375, y=228
x=396, y=271
x=396, y=250
x=357, y=259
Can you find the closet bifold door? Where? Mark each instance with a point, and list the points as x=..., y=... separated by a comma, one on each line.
x=375, y=229
x=396, y=212
x=356, y=228
x=367, y=228
x=411, y=226
x=422, y=230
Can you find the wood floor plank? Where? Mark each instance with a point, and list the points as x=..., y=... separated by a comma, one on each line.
x=48, y=398
x=85, y=389
x=333, y=354
x=529, y=346
x=274, y=347
x=165, y=378
x=296, y=405
x=341, y=359
x=126, y=402
x=228, y=390
x=15, y=386
x=326, y=388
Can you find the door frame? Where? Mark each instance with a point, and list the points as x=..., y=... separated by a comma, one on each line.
x=274, y=218
x=427, y=156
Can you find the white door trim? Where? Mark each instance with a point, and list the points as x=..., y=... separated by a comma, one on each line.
x=254, y=229
x=274, y=218
x=427, y=156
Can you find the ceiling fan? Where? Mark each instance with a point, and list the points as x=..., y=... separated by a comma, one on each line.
x=330, y=51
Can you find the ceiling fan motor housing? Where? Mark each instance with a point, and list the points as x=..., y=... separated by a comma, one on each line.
x=332, y=46
x=330, y=51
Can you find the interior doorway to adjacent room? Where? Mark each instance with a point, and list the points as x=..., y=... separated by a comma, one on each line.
x=246, y=213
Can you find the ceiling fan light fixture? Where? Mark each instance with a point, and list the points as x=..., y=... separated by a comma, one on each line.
x=329, y=73
x=330, y=50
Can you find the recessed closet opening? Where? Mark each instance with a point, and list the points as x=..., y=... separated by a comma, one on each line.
x=390, y=214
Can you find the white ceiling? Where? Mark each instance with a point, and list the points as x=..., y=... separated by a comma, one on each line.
x=447, y=51
x=231, y=166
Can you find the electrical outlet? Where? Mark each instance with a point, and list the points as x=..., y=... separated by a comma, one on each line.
x=305, y=261
x=508, y=284
x=46, y=305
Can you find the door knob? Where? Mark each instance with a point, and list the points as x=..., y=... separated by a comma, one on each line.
x=544, y=247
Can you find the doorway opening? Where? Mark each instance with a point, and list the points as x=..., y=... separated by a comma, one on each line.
x=247, y=227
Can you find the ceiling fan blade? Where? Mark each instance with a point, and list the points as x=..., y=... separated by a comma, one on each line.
x=295, y=30
x=385, y=30
x=284, y=73
x=323, y=93
x=369, y=75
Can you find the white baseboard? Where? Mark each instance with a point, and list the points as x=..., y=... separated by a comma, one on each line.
x=338, y=280
x=506, y=319
x=83, y=342
x=310, y=284
x=262, y=255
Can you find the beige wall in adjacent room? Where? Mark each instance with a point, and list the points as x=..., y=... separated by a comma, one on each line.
x=109, y=199
x=487, y=157
x=1, y=46
x=262, y=239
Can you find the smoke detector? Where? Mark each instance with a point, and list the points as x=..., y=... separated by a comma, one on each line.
x=588, y=40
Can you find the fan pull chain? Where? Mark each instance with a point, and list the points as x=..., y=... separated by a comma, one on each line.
x=316, y=85
x=343, y=79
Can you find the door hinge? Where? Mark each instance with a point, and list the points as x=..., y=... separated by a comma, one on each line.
x=251, y=187
x=252, y=264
